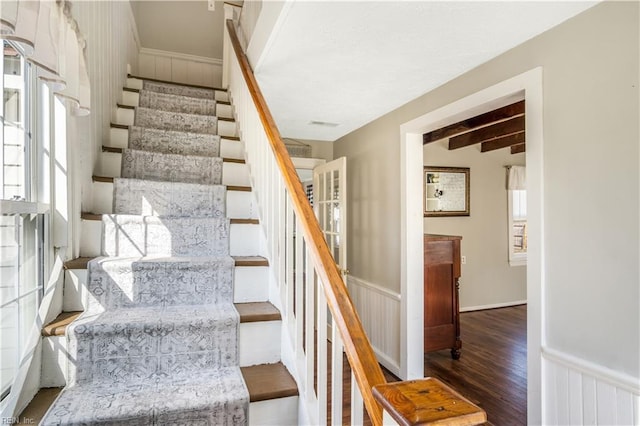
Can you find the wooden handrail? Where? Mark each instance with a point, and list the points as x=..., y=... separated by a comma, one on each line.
x=359, y=352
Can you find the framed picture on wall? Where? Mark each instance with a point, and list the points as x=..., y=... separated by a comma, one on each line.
x=446, y=191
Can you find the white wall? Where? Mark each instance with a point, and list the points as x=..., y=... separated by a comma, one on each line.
x=590, y=94
x=487, y=279
x=112, y=45
x=180, y=68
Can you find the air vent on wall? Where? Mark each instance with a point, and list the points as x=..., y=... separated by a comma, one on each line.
x=323, y=123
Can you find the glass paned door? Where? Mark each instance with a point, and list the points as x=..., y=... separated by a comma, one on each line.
x=329, y=196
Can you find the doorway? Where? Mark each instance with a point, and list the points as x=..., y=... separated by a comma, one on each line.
x=527, y=85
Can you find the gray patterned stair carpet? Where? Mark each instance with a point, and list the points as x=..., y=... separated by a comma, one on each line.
x=175, y=89
x=172, y=142
x=168, y=120
x=158, y=343
x=176, y=103
x=171, y=167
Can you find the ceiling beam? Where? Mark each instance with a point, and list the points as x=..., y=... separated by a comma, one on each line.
x=477, y=121
x=516, y=149
x=503, y=142
x=483, y=134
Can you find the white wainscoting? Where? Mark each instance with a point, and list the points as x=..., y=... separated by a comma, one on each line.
x=579, y=392
x=179, y=67
x=379, y=310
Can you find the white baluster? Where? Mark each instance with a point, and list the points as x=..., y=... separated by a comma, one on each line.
x=321, y=311
x=336, y=377
x=309, y=322
x=357, y=407
x=289, y=247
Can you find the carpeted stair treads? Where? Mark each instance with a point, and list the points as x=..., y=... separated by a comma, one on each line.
x=158, y=343
x=171, y=167
x=175, y=89
x=118, y=283
x=176, y=103
x=131, y=236
x=167, y=120
x=174, y=142
x=155, y=198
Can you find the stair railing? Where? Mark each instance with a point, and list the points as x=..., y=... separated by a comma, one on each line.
x=301, y=261
x=310, y=283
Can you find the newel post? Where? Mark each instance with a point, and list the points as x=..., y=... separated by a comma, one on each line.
x=426, y=402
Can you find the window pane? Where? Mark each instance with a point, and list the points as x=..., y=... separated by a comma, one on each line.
x=12, y=154
x=21, y=269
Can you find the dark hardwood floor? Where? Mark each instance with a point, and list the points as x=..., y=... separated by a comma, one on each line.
x=492, y=371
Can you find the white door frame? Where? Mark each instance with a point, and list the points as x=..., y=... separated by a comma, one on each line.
x=528, y=85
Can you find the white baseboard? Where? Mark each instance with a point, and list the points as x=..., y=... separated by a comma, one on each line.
x=493, y=306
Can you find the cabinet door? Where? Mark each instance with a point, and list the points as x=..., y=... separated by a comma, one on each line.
x=439, y=296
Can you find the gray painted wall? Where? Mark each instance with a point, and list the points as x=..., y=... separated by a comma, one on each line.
x=180, y=26
x=591, y=173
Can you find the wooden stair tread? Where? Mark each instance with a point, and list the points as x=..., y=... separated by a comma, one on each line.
x=125, y=106
x=177, y=84
x=108, y=179
x=119, y=126
x=81, y=262
x=251, y=261
x=58, y=326
x=231, y=138
x=257, y=311
x=117, y=150
x=238, y=188
x=35, y=411
x=90, y=216
x=245, y=221
x=129, y=89
x=268, y=381
x=78, y=263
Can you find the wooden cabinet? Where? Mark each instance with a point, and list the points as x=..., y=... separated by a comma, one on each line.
x=441, y=306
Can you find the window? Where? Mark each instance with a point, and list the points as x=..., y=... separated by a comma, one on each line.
x=23, y=220
x=517, y=203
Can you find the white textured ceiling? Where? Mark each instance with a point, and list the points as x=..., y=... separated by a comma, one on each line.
x=351, y=62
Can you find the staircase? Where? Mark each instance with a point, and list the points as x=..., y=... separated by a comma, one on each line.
x=166, y=313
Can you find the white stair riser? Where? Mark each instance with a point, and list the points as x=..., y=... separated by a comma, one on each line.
x=232, y=173
x=133, y=99
x=276, y=412
x=250, y=284
x=55, y=362
x=259, y=342
x=136, y=83
x=119, y=138
x=240, y=204
x=75, y=293
x=125, y=116
x=130, y=98
x=245, y=239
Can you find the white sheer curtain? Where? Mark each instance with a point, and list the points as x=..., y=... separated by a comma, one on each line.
x=517, y=179
x=50, y=39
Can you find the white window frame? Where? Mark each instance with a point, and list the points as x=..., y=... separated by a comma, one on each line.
x=35, y=251
x=515, y=259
